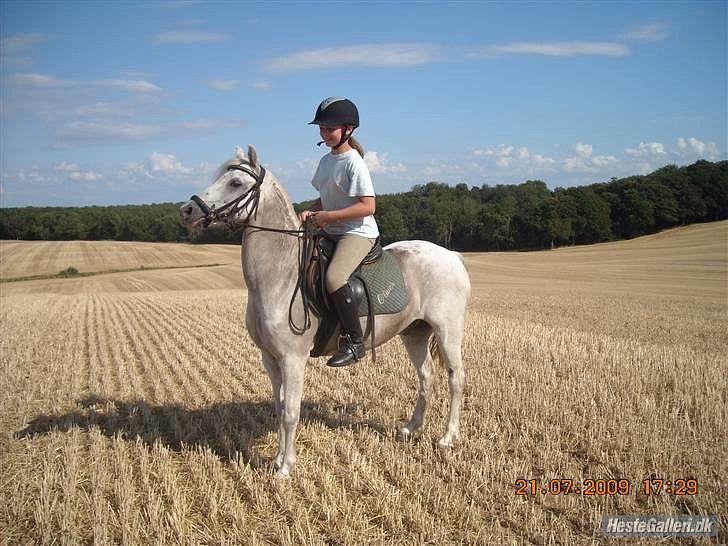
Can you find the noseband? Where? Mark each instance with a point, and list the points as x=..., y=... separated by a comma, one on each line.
x=233, y=208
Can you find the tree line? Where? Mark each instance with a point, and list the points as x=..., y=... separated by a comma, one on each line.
x=501, y=217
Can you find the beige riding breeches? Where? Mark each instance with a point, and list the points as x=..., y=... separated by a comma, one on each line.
x=350, y=251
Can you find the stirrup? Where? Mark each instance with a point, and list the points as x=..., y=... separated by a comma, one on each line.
x=348, y=352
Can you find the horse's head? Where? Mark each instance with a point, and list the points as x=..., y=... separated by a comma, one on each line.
x=232, y=196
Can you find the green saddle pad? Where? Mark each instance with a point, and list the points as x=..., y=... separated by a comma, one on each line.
x=386, y=286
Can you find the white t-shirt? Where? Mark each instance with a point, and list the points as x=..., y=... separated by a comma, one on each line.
x=340, y=179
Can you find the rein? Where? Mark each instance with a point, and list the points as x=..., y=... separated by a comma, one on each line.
x=233, y=208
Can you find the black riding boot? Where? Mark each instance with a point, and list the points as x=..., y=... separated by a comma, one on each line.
x=351, y=343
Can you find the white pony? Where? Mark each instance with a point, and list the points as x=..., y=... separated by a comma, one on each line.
x=437, y=283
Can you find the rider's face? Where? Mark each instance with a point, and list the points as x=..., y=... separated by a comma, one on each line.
x=331, y=135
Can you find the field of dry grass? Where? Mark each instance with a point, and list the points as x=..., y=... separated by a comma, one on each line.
x=27, y=258
x=136, y=409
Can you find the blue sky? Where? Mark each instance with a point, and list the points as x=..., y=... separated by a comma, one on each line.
x=139, y=102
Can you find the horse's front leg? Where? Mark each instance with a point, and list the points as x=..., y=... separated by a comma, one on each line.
x=291, y=368
x=276, y=379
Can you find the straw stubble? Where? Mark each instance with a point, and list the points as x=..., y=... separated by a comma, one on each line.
x=145, y=416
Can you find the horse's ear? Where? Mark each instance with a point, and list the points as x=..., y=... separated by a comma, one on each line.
x=252, y=156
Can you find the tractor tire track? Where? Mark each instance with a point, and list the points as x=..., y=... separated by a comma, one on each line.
x=206, y=424
x=162, y=390
x=185, y=376
x=123, y=353
x=111, y=381
x=204, y=360
x=228, y=361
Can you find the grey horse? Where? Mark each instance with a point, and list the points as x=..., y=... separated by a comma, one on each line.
x=437, y=282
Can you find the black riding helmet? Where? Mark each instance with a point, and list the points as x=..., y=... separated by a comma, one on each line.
x=336, y=111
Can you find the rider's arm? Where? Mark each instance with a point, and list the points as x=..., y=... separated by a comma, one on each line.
x=365, y=206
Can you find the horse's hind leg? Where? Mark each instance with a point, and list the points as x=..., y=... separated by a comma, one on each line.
x=415, y=340
x=449, y=339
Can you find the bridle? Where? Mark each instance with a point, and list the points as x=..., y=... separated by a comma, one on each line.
x=230, y=211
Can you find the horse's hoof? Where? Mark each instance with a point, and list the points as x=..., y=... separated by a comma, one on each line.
x=280, y=470
x=282, y=474
x=278, y=467
x=445, y=443
x=405, y=434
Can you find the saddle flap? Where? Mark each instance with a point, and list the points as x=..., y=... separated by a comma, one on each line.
x=325, y=246
x=374, y=254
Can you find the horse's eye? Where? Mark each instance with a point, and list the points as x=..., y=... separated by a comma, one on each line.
x=235, y=182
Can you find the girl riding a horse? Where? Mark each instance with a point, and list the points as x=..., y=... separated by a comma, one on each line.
x=345, y=212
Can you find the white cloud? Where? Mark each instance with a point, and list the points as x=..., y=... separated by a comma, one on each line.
x=647, y=149
x=603, y=160
x=85, y=176
x=585, y=161
x=693, y=146
x=96, y=109
x=521, y=158
x=44, y=81
x=15, y=48
x=502, y=153
x=206, y=124
x=21, y=42
x=651, y=32
x=161, y=167
x=583, y=150
x=104, y=131
x=41, y=81
x=556, y=49
x=135, y=86
x=31, y=175
x=262, y=85
x=388, y=54
x=541, y=161
x=108, y=131
x=223, y=85
x=65, y=167
x=75, y=173
x=189, y=37
x=378, y=163
x=166, y=164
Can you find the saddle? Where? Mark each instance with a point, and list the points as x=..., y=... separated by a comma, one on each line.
x=377, y=284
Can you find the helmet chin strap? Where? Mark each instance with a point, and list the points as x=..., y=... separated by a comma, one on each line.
x=346, y=135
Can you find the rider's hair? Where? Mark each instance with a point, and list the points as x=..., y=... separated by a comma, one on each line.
x=354, y=143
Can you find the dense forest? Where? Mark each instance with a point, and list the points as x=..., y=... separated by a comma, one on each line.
x=502, y=217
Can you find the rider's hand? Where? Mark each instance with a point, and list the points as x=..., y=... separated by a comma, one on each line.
x=304, y=215
x=322, y=217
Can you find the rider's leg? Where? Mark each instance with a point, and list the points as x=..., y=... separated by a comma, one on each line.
x=350, y=251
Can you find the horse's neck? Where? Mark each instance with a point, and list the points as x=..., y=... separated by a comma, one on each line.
x=270, y=259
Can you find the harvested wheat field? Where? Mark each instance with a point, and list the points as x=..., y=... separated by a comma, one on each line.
x=136, y=409
x=20, y=259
